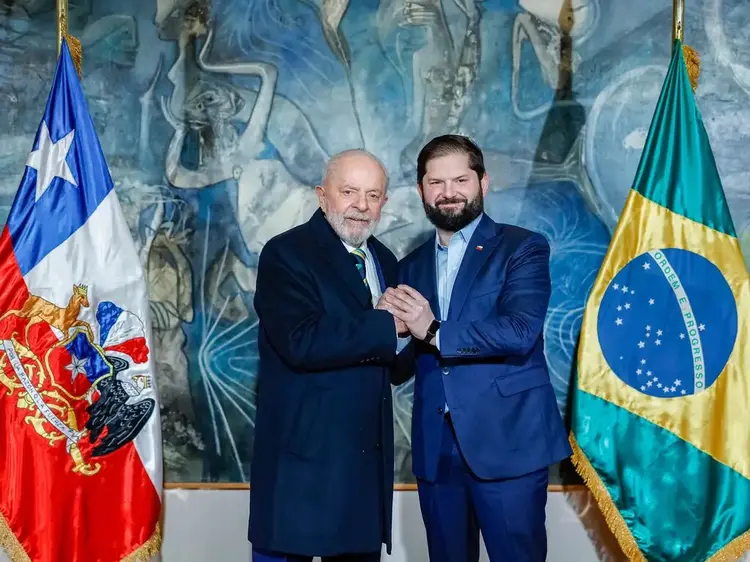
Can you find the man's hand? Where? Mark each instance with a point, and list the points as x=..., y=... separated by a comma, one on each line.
x=401, y=329
x=411, y=307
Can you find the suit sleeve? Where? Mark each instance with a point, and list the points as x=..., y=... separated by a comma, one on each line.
x=292, y=316
x=522, y=310
x=403, y=366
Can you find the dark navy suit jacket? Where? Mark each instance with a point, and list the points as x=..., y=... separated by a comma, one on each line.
x=322, y=469
x=491, y=369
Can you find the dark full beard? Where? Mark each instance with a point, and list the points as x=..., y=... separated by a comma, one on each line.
x=455, y=221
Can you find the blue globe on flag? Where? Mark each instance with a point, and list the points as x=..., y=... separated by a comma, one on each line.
x=667, y=323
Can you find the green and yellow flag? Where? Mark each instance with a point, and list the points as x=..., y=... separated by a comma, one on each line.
x=661, y=406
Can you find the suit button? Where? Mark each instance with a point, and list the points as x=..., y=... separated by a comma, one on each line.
x=446, y=370
x=440, y=411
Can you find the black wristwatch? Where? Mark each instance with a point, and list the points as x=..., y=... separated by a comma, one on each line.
x=432, y=330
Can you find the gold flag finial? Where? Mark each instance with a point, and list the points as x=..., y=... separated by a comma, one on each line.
x=74, y=45
x=690, y=55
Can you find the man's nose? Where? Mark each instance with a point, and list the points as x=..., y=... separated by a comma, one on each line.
x=361, y=203
x=448, y=190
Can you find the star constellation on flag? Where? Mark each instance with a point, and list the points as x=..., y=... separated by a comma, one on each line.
x=667, y=323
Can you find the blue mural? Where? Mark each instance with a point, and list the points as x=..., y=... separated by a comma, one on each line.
x=217, y=119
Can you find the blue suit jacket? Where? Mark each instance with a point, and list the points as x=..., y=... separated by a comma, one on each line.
x=491, y=369
x=322, y=469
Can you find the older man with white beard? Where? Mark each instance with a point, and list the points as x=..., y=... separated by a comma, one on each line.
x=322, y=469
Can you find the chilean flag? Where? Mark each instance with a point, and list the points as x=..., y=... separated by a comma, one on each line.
x=80, y=438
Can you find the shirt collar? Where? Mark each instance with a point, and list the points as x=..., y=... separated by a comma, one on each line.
x=349, y=247
x=465, y=233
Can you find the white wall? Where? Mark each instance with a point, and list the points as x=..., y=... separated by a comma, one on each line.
x=211, y=525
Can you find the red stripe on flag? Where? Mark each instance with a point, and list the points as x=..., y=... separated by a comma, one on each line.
x=135, y=348
x=55, y=513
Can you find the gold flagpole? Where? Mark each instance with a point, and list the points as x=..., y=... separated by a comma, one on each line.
x=62, y=33
x=678, y=13
x=692, y=60
x=62, y=23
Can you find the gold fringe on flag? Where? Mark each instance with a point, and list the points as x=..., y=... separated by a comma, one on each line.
x=147, y=550
x=734, y=550
x=729, y=553
x=9, y=543
x=607, y=506
x=16, y=553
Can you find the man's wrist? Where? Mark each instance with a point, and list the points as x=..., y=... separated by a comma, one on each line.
x=432, y=330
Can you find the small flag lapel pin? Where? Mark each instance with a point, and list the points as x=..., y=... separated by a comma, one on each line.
x=480, y=248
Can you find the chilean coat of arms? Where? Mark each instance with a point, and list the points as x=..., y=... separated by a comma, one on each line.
x=82, y=387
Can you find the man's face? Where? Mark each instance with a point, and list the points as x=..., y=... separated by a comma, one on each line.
x=352, y=197
x=452, y=193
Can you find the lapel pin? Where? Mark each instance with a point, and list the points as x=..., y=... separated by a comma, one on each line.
x=480, y=248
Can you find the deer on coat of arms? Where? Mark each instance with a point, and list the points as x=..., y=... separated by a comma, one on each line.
x=36, y=309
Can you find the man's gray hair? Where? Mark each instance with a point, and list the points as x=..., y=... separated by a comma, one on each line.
x=331, y=164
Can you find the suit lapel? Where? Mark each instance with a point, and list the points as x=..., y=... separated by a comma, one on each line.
x=480, y=247
x=333, y=251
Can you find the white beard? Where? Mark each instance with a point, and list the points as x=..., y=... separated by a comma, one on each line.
x=352, y=237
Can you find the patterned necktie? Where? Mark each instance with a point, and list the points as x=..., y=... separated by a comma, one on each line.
x=359, y=259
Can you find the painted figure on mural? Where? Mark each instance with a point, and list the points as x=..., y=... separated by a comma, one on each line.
x=443, y=69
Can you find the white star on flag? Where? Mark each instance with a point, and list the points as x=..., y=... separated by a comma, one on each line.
x=49, y=160
x=76, y=367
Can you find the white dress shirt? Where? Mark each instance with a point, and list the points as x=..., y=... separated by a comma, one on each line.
x=373, y=282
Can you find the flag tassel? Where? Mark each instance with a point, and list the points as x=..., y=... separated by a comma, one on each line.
x=689, y=55
x=693, y=64
x=74, y=45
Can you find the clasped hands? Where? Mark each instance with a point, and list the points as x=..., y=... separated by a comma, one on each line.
x=411, y=311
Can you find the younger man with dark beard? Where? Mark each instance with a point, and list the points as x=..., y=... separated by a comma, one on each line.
x=485, y=424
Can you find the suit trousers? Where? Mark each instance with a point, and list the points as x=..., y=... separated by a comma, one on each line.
x=262, y=556
x=509, y=513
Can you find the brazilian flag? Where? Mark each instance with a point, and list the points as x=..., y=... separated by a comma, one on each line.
x=661, y=405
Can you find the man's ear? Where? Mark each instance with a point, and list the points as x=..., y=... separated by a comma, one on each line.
x=485, y=183
x=321, y=193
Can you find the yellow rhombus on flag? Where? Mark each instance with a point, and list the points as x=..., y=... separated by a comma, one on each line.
x=661, y=405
